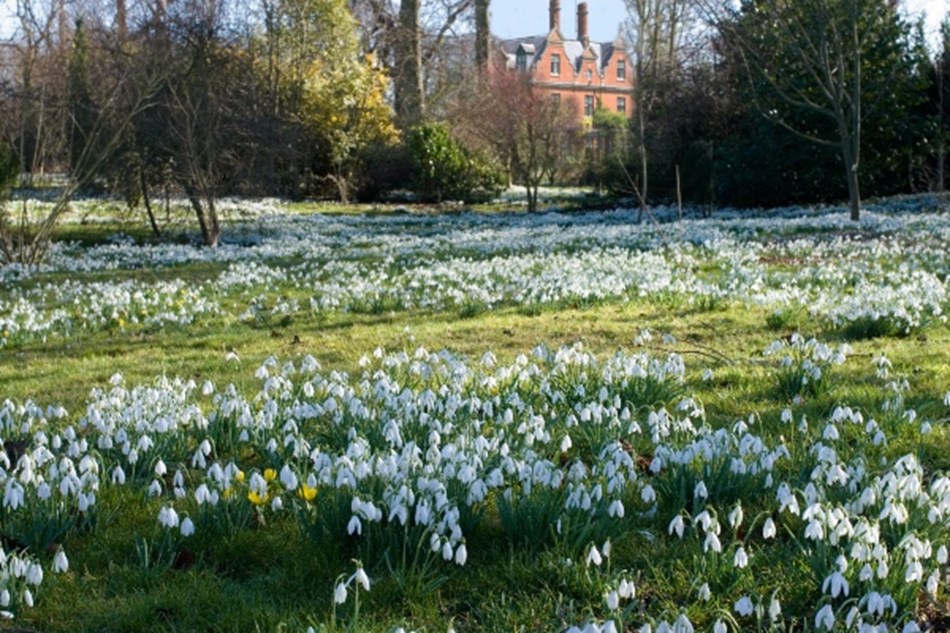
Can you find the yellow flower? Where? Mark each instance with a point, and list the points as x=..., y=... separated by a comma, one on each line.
x=256, y=499
x=270, y=475
x=228, y=493
x=307, y=493
x=239, y=476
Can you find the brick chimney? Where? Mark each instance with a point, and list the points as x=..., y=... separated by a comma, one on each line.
x=582, y=33
x=554, y=12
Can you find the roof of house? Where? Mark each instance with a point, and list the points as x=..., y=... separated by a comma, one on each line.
x=534, y=46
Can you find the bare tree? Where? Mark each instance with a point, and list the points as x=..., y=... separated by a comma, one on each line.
x=525, y=129
x=659, y=31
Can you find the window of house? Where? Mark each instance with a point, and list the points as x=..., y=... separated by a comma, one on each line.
x=622, y=105
x=621, y=70
x=555, y=64
x=590, y=74
x=521, y=61
x=588, y=105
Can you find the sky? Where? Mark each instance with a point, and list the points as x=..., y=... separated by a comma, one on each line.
x=515, y=18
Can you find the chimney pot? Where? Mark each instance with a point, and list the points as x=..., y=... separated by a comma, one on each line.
x=582, y=33
x=554, y=12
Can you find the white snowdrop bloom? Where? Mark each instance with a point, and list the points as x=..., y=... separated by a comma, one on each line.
x=707, y=374
x=648, y=494
x=27, y=598
x=613, y=600
x=187, y=527
x=626, y=589
x=118, y=476
x=339, y=593
x=566, y=444
x=593, y=557
x=705, y=593
x=608, y=627
x=911, y=627
x=361, y=578
x=447, y=551
x=946, y=399
x=288, y=478
x=208, y=387
x=616, y=509
x=683, y=625
x=712, y=543
x=736, y=516
x=825, y=618
x=775, y=609
x=699, y=491
x=354, y=526
x=461, y=554
x=606, y=548
x=34, y=574
x=740, y=560
x=787, y=416
x=60, y=562
x=155, y=489
x=744, y=606
x=720, y=627
x=168, y=517
x=835, y=585
x=277, y=504
x=160, y=468
x=942, y=555
x=768, y=529
x=5, y=598
x=676, y=526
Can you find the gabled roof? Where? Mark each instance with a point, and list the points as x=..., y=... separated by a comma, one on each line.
x=535, y=45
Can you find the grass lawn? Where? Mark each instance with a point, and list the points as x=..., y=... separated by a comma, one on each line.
x=719, y=419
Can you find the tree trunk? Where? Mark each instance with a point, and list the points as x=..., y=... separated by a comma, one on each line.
x=408, y=71
x=143, y=183
x=121, y=24
x=482, y=33
x=851, y=174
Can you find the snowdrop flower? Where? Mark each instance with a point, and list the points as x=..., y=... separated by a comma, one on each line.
x=707, y=374
x=775, y=609
x=648, y=494
x=676, y=526
x=626, y=589
x=768, y=529
x=34, y=574
x=700, y=492
x=720, y=627
x=608, y=627
x=354, y=526
x=712, y=543
x=740, y=560
x=28, y=598
x=825, y=618
x=736, y=516
x=60, y=562
x=835, y=585
x=187, y=527
x=705, y=593
x=361, y=578
x=461, y=554
x=339, y=593
x=744, y=606
x=613, y=600
x=593, y=557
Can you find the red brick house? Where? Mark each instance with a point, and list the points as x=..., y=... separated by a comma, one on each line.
x=589, y=74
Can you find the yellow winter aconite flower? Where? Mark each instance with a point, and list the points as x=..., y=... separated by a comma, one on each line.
x=239, y=476
x=307, y=493
x=270, y=475
x=256, y=499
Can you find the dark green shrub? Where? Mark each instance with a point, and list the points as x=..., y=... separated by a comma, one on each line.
x=444, y=170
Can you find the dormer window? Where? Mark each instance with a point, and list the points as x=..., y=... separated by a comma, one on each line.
x=621, y=70
x=590, y=75
x=555, y=64
x=521, y=61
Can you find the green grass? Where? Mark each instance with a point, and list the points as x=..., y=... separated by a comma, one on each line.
x=273, y=578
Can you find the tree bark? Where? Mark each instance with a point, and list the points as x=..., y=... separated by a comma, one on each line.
x=482, y=33
x=408, y=80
